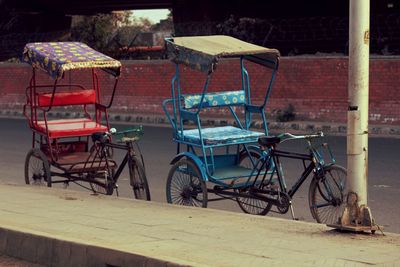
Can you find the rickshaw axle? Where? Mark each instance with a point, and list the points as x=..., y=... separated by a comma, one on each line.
x=283, y=202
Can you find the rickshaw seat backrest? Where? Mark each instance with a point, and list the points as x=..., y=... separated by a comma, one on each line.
x=215, y=99
x=81, y=97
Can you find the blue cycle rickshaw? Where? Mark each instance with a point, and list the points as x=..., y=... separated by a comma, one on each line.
x=221, y=155
x=233, y=161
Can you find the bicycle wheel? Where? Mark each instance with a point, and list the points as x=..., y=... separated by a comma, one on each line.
x=185, y=185
x=37, y=168
x=326, y=195
x=138, y=180
x=248, y=204
x=104, y=184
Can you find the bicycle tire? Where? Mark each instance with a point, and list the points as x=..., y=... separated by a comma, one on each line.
x=103, y=187
x=37, y=168
x=138, y=180
x=328, y=207
x=185, y=185
x=251, y=205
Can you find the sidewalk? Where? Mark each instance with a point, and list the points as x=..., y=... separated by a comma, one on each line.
x=56, y=227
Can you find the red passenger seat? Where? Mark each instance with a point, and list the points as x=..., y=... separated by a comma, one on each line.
x=81, y=97
x=68, y=127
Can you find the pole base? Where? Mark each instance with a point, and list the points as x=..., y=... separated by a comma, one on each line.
x=356, y=218
x=356, y=228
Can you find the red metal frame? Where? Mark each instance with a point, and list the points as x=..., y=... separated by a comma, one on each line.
x=49, y=134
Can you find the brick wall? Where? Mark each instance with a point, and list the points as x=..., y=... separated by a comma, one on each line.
x=315, y=86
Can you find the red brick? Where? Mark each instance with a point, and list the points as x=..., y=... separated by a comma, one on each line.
x=315, y=86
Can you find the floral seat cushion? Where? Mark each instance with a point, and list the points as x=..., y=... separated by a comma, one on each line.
x=221, y=135
x=216, y=99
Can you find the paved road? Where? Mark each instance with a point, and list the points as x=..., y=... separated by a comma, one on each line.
x=158, y=149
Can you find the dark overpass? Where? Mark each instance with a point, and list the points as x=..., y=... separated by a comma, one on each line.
x=84, y=7
x=291, y=25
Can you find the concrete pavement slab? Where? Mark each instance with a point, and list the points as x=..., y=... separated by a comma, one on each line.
x=56, y=227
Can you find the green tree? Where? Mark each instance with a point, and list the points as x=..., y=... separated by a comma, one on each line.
x=164, y=24
x=126, y=35
x=99, y=30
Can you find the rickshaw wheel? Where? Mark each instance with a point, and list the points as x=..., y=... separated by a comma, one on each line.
x=37, y=168
x=138, y=180
x=185, y=185
x=251, y=205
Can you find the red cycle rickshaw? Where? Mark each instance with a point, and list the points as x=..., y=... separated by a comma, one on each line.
x=77, y=149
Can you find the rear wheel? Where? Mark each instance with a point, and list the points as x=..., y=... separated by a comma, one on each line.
x=103, y=182
x=185, y=185
x=248, y=204
x=138, y=180
x=37, y=168
x=327, y=195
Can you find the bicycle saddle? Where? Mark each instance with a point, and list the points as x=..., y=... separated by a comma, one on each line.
x=268, y=140
x=100, y=137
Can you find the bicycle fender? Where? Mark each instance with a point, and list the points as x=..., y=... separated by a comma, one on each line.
x=254, y=148
x=196, y=160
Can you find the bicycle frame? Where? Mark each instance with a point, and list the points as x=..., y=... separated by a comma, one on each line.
x=276, y=155
x=77, y=175
x=127, y=158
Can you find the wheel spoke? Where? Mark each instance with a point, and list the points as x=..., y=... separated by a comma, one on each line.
x=249, y=204
x=327, y=195
x=37, y=169
x=184, y=185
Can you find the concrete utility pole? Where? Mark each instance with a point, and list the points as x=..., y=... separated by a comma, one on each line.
x=357, y=114
x=357, y=216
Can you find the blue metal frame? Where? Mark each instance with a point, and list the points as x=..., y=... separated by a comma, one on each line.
x=206, y=161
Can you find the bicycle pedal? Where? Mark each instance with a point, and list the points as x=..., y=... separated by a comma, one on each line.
x=218, y=187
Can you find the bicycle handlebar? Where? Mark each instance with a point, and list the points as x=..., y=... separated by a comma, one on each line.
x=129, y=135
x=289, y=136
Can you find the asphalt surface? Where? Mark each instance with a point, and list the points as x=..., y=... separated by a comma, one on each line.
x=158, y=149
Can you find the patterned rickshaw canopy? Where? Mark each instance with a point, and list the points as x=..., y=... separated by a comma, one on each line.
x=203, y=52
x=57, y=57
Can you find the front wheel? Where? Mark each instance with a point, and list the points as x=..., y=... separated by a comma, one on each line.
x=138, y=180
x=327, y=195
x=37, y=168
x=185, y=185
